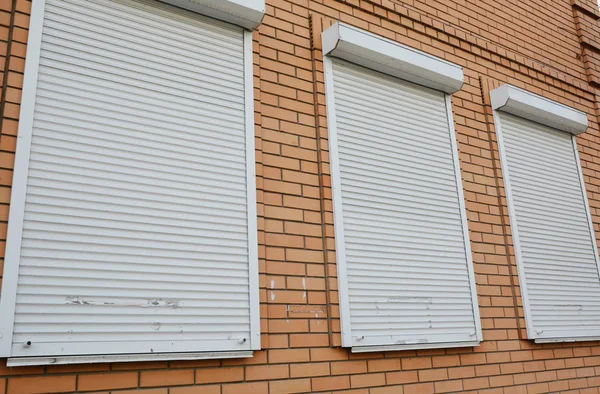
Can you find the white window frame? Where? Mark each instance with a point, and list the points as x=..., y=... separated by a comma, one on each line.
x=373, y=50
x=510, y=99
x=17, y=210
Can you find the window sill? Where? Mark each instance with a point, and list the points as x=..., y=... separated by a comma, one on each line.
x=123, y=358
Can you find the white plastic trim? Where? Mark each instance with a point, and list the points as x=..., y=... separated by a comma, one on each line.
x=538, y=109
x=387, y=56
x=465, y=226
x=514, y=229
x=245, y=13
x=338, y=215
x=567, y=339
x=251, y=194
x=19, y=184
x=123, y=358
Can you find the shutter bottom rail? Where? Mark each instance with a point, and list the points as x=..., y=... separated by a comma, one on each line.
x=416, y=346
x=122, y=358
x=567, y=339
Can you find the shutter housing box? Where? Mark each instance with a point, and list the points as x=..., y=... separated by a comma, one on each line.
x=389, y=57
x=538, y=109
x=245, y=13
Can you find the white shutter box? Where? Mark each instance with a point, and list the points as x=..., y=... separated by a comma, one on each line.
x=551, y=225
x=508, y=98
x=245, y=13
x=404, y=264
x=390, y=57
x=132, y=228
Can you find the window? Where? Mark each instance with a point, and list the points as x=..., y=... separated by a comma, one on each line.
x=403, y=255
x=552, y=231
x=132, y=229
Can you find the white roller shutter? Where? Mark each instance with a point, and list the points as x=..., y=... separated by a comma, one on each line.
x=136, y=235
x=553, y=238
x=401, y=239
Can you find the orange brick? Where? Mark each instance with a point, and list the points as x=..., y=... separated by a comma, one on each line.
x=311, y=369
x=429, y=375
x=107, y=381
x=288, y=355
x=402, y=377
x=328, y=354
x=348, y=367
x=448, y=386
x=367, y=380
x=384, y=365
x=246, y=388
x=289, y=386
x=387, y=390
x=416, y=363
x=219, y=375
x=267, y=372
x=446, y=361
x=331, y=383
x=167, y=378
x=419, y=388
x=461, y=372
x=309, y=340
x=476, y=383
x=41, y=384
x=210, y=389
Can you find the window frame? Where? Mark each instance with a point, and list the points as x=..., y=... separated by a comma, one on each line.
x=514, y=228
x=10, y=274
x=340, y=250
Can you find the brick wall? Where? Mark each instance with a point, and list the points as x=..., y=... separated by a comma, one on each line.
x=533, y=44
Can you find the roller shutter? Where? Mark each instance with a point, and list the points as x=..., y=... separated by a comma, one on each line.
x=135, y=234
x=401, y=242
x=551, y=228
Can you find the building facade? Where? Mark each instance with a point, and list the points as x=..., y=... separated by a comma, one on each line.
x=326, y=196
